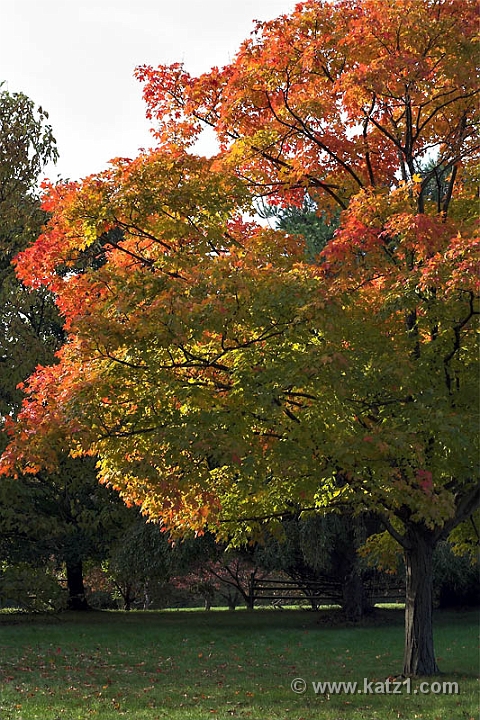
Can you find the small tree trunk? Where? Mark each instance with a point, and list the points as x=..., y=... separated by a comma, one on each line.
x=354, y=598
x=313, y=604
x=354, y=601
x=128, y=597
x=146, y=598
x=76, y=589
x=419, y=651
x=250, y=595
x=232, y=599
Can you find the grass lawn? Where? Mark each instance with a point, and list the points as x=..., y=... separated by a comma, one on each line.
x=198, y=665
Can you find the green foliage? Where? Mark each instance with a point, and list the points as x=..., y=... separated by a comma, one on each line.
x=30, y=333
x=68, y=514
x=26, y=146
x=30, y=328
x=465, y=538
x=31, y=586
x=457, y=579
x=382, y=551
x=320, y=544
x=308, y=221
x=140, y=562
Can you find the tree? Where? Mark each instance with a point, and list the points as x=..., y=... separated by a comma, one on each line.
x=30, y=330
x=318, y=549
x=61, y=520
x=457, y=579
x=221, y=379
x=346, y=99
x=66, y=515
x=316, y=228
x=216, y=571
x=140, y=562
x=82, y=520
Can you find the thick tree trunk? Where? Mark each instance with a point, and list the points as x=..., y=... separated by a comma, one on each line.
x=76, y=589
x=419, y=651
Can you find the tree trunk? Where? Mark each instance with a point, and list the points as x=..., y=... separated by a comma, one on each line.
x=419, y=652
x=354, y=602
x=250, y=595
x=76, y=589
x=354, y=598
x=128, y=597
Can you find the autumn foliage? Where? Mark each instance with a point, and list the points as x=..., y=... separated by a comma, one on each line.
x=220, y=377
x=334, y=98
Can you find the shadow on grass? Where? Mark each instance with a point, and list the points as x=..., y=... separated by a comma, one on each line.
x=193, y=665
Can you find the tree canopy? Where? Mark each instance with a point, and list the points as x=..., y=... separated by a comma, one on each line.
x=30, y=330
x=220, y=377
x=336, y=97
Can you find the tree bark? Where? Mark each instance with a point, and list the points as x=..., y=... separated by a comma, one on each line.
x=354, y=603
x=419, y=656
x=128, y=597
x=76, y=589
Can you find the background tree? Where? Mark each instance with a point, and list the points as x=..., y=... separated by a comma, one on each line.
x=140, y=563
x=30, y=330
x=457, y=579
x=323, y=549
x=314, y=226
x=219, y=573
x=65, y=516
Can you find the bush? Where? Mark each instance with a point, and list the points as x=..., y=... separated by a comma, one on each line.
x=30, y=588
x=457, y=579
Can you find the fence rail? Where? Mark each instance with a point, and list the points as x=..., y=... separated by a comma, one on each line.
x=320, y=592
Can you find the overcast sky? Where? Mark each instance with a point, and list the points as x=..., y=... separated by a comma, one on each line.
x=76, y=58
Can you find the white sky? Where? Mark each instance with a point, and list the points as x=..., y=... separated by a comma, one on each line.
x=76, y=58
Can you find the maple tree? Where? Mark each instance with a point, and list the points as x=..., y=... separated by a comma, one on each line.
x=335, y=97
x=350, y=101
x=222, y=378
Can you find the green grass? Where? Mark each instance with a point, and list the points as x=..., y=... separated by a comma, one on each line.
x=198, y=665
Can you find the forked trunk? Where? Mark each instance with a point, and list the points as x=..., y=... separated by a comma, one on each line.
x=419, y=651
